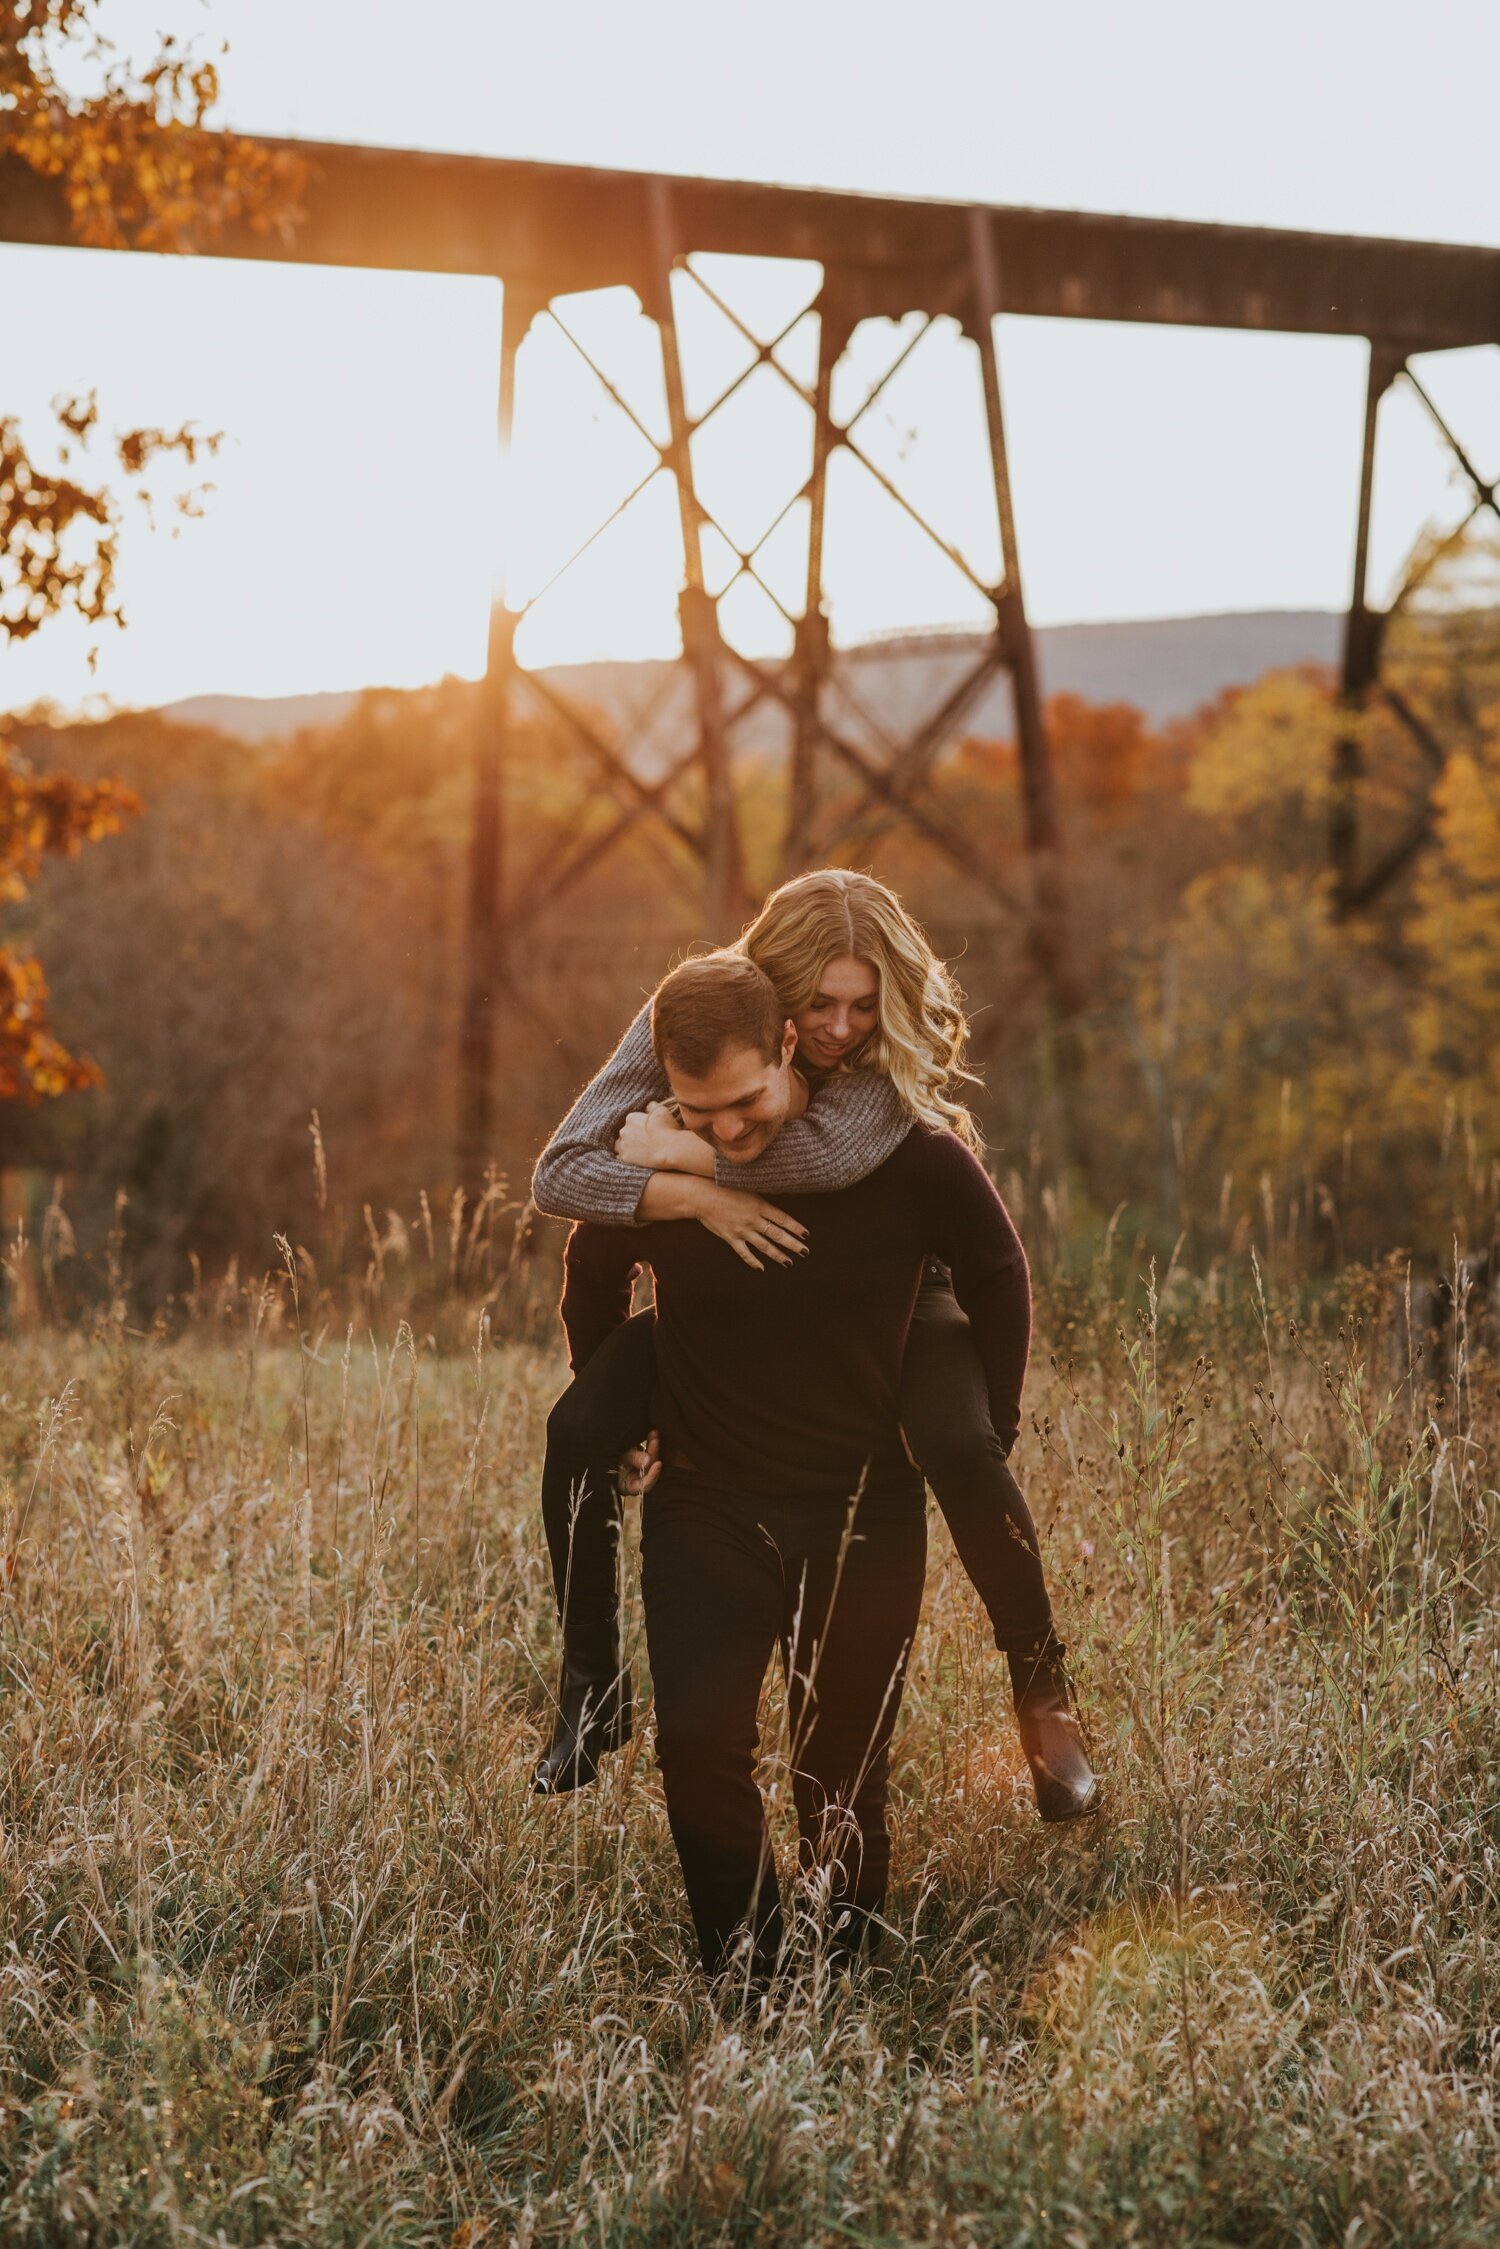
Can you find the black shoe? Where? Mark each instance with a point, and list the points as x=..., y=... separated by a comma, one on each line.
x=852, y=1936
x=1066, y=1785
x=593, y=1715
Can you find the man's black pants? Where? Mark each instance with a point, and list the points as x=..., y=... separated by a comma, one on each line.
x=837, y=1587
x=945, y=1413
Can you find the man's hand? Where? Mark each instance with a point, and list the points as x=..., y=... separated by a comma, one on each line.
x=640, y=1467
x=653, y=1139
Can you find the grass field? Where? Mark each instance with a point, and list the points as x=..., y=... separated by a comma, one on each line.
x=288, y=1951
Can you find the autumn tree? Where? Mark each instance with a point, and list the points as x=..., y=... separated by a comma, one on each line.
x=1455, y=927
x=1101, y=754
x=126, y=146
x=40, y=815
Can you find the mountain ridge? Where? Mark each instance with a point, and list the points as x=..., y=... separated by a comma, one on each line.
x=1166, y=666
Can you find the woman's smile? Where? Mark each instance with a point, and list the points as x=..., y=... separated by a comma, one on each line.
x=842, y=1012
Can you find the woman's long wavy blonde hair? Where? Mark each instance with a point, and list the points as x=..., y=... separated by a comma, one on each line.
x=919, y=1044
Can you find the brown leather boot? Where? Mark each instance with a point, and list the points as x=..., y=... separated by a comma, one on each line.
x=1066, y=1785
x=594, y=1714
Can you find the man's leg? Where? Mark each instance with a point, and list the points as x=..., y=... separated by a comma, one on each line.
x=606, y=1409
x=847, y=1634
x=713, y=1593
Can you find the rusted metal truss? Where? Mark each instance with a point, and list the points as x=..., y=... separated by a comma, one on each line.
x=1355, y=885
x=834, y=735
x=552, y=231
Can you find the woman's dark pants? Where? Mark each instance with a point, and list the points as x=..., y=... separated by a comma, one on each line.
x=946, y=1416
x=945, y=1413
x=597, y=1418
x=837, y=1587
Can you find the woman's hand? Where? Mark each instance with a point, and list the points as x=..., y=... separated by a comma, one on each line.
x=641, y=1466
x=652, y=1139
x=753, y=1228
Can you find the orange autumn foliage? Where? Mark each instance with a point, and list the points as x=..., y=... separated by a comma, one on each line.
x=135, y=165
x=1101, y=753
x=127, y=147
x=51, y=816
x=137, y=170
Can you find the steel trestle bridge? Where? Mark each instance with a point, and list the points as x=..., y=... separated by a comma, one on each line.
x=550, y=231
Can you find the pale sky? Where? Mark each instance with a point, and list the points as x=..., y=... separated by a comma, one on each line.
x=356, y=531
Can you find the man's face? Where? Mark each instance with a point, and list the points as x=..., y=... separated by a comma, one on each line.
x=742, y=1102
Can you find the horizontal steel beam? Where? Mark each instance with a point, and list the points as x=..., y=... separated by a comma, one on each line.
x=554, y=228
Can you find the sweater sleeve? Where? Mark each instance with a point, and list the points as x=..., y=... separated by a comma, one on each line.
x=578, y=1174
x=599, y=1270
x=970, y=1229
x=854, y=1121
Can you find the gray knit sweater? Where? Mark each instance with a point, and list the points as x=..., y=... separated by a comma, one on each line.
x=854, y=1122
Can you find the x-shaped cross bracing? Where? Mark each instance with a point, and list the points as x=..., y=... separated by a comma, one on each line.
x=889, y=767
x=1362, y=672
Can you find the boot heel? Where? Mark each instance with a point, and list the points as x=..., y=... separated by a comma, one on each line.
x=1066, y=1785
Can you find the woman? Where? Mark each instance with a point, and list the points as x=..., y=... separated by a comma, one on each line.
x=881, y=1035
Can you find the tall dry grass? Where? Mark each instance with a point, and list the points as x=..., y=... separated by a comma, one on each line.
x=290, y=1953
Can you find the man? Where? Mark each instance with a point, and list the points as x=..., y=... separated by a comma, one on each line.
x=787, y=1513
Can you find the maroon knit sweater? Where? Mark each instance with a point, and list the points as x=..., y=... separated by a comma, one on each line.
x=787, y=1380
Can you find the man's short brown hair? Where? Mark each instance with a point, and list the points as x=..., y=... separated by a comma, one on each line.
x=720, y=1000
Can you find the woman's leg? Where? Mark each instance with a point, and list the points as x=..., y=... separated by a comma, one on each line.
x=946, y=1415
x=846, y=1635
x=603, y=1411
x=945, y=1412
x=712, y=1584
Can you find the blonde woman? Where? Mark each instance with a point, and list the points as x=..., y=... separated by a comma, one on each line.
x=880, y=1039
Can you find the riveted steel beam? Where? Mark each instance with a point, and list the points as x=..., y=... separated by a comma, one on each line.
x=559, y=227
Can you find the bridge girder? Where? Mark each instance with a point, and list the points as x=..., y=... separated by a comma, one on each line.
x=550, y=229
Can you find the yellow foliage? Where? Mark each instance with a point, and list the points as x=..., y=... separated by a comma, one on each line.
x=1280, y=1045
x=1274, y=744
x=1457, y=919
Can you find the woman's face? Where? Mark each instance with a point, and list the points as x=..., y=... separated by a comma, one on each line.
x=841, y=1014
